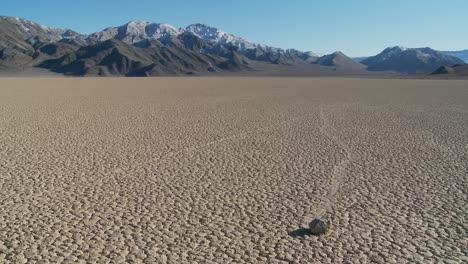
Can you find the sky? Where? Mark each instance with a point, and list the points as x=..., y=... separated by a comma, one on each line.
x=355, y=27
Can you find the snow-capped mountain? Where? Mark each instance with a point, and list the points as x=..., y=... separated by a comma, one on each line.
x=136, y=31
x=248, y=48
x=27, y=29
x=390, y=52
x=216, y=36
x=410, y=60
x=142, y=48
x=20, y=39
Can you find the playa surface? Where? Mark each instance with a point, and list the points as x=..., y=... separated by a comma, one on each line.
x=219, y=170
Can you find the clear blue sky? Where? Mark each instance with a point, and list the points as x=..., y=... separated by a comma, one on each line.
x=356, y=27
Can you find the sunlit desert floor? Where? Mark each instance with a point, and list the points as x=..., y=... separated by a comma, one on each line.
x=219, y=170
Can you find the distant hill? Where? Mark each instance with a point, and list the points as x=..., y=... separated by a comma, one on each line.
x=338, y=59
x=416, y=60
x=461, y=54
x=455, y=70
x=359, y=59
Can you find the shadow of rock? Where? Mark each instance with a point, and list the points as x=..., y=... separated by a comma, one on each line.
x=301, y=232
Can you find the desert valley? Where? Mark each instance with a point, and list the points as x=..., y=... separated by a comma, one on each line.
x=232, y=170
x=222, y=150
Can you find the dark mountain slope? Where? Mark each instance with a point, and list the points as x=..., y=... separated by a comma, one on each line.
x=116, y=58
x=19, y=39
x=455, y=70
x=107, y=58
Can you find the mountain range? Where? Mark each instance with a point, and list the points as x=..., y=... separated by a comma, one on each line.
x=141, y=48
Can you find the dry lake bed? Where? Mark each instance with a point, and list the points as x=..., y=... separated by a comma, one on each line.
x=219, y=170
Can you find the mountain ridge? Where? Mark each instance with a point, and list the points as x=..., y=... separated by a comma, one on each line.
x=461, y=54
x=161, y=48
x=183, y=51
x=409, y=60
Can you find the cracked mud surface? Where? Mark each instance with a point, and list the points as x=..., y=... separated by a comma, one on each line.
x=230, y=169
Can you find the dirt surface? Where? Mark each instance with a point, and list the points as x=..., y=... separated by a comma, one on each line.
x=27, y=72
x=219, y=170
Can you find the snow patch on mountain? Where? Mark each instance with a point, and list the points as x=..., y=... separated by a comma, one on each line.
x=391, y=51
x=217, y=36
x=214, y=35
x=136, y=31
x=28, y=29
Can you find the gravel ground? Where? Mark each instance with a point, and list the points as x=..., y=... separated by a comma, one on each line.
x=219, y=170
